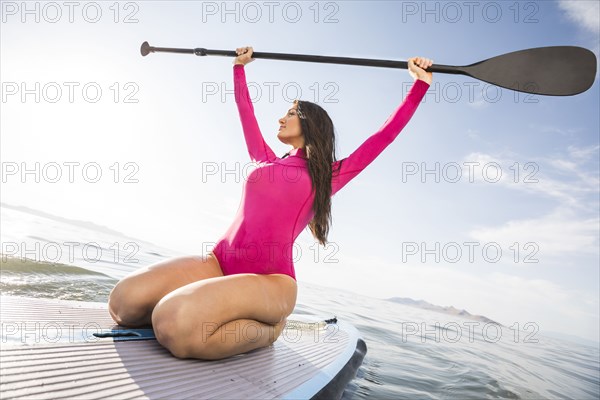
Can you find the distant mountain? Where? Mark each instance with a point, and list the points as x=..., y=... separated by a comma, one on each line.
x=446, y=310
x=88, y=225
x=81, y=224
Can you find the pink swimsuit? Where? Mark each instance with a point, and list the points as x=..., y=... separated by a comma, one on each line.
x=276, y=202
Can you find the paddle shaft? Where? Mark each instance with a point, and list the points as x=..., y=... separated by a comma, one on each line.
x=447, y=69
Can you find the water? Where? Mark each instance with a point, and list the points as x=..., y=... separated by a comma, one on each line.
x=412, y=353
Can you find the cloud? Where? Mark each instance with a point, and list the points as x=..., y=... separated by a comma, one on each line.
x=473, y=134
x=570, y=178
x=583, y=13
x=584, y=153
x=564, y=177
x=568, y=132
x=554, y=234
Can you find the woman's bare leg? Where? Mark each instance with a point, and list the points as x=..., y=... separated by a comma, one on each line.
x=224, y=316
x=133, y=298
x=239, y=336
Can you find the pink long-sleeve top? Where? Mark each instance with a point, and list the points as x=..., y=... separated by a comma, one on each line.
x=277, y=199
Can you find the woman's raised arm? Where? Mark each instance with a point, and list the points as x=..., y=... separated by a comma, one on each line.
x=352, y=165
x=257, y=147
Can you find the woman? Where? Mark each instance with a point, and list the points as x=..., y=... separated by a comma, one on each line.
x=237, y=298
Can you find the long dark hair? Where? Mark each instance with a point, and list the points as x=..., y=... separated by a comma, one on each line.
x=319, y=147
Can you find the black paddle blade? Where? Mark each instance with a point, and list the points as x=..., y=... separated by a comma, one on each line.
x=553, y=71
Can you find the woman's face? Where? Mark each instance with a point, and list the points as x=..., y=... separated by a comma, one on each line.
x=290, y=131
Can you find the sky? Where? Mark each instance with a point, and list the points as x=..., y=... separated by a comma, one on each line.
x=488, y=200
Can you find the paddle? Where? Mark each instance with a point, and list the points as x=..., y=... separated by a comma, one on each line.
x=553, y=71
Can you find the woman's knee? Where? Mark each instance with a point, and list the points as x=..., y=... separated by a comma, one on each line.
x=171, y=327
x=133, y=298
x=182, y=330
x=126, y=304
x=280, y=299
x=277, y=330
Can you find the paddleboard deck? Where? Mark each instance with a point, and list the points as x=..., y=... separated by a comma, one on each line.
x=65, y=349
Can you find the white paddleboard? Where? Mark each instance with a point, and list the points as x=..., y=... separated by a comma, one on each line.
x=54, y=349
